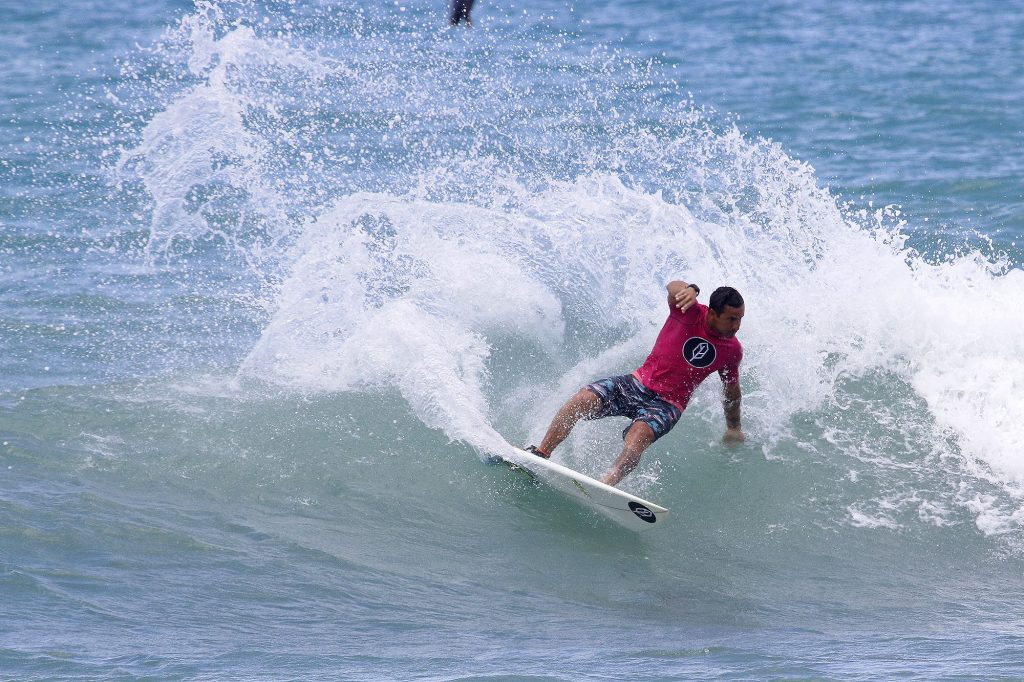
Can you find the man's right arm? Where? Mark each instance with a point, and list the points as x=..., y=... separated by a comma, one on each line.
x=731, y=402
x=681, y=295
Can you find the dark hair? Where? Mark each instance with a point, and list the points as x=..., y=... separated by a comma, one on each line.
x=725, y=296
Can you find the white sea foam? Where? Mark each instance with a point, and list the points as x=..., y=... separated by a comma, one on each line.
x=408, y=287
x=388, y=293
x=204, y=145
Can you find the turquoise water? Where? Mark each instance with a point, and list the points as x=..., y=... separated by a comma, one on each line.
x=276, y=278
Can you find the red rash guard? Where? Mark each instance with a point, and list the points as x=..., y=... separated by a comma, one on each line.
x=686, y=353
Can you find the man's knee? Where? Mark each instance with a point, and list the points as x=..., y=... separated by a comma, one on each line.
x=640, y=435
x=582, y=405
x=586, y=403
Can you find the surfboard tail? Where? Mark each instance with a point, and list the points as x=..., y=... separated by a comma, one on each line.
x=626, y=509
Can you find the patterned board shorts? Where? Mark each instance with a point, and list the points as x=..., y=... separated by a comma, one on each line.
x=625, y=396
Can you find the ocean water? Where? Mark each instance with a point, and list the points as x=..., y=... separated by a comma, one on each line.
x=278, y=277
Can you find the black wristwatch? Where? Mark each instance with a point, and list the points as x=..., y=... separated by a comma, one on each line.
x=696, y=289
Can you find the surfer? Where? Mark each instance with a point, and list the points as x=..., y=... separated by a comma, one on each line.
x=695, y=341
x=460, y=12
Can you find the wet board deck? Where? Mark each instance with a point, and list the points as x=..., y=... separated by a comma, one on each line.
x=628, y=510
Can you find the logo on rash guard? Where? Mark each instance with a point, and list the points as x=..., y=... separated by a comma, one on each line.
x=698, y=352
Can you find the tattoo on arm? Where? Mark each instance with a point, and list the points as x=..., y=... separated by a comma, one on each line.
x=731, y=403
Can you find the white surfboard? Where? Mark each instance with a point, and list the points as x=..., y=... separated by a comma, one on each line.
x=628, y=510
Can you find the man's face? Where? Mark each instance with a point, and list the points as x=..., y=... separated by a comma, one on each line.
x=728, y=323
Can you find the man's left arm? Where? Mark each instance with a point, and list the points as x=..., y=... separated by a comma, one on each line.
x=731, y=402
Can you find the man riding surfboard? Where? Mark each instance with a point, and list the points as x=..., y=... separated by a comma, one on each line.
x=695, y=342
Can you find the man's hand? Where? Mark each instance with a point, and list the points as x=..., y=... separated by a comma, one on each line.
x=681, y=295
x=733, y=436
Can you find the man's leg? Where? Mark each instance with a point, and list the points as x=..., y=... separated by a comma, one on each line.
x=584, y=405
x=638, y=438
